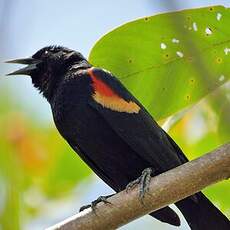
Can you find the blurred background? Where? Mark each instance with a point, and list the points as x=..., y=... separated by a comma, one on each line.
x=42, y=181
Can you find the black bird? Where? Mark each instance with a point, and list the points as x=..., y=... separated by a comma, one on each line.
x=112, y=131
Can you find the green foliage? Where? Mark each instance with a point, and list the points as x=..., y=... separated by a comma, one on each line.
x=34, y=162
x=169, y=61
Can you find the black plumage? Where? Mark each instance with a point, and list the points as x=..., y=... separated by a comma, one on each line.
x=111, y=130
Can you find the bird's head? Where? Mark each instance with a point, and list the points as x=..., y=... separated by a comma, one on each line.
x=48, y=66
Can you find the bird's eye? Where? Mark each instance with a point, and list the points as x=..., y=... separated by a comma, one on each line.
x=46, y=52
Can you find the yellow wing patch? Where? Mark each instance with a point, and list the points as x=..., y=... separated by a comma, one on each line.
x=104, y=95
x=116, y=103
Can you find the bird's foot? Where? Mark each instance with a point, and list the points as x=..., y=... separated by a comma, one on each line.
x=143, y=181
x=95, y=202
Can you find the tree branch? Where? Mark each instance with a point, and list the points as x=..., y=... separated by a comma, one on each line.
x=165, y=189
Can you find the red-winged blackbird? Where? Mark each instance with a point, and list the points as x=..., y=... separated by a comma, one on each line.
x=111, y=130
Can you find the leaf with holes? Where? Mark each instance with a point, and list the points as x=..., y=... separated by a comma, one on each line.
x=169, y=61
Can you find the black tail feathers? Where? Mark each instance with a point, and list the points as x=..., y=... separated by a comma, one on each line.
x=167, y=215
x=201, y=214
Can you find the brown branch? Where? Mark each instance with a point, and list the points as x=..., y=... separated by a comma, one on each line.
x=165, y=189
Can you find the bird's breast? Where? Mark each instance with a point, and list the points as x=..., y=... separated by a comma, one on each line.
x=69, y=105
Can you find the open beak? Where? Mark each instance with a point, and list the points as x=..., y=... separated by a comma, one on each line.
x=31, y=62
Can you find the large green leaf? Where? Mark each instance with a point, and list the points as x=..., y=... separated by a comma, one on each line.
x=169, y=61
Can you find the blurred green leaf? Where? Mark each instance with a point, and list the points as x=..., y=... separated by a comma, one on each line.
x=10, y=189
x=67, y=168
x=33, y=157
x=224, y=123
x=169, y=61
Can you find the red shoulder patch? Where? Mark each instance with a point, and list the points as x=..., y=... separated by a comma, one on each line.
x=104, y=95
x=100, y=86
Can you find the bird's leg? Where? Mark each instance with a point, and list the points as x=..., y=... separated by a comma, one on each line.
x=95, y=202
x=143, y=181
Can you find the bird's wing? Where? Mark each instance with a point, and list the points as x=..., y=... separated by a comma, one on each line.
x=129, y=119
x=98, y=170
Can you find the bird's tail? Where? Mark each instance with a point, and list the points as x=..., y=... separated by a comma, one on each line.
x=201, y=214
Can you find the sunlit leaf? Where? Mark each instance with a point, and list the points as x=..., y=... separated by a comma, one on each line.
x=169, y=61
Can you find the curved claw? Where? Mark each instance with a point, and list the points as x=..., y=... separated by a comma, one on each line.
x=95, y=202
x=143, y=181
x=100, y=199
x=84, y=207
x=132, y=184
